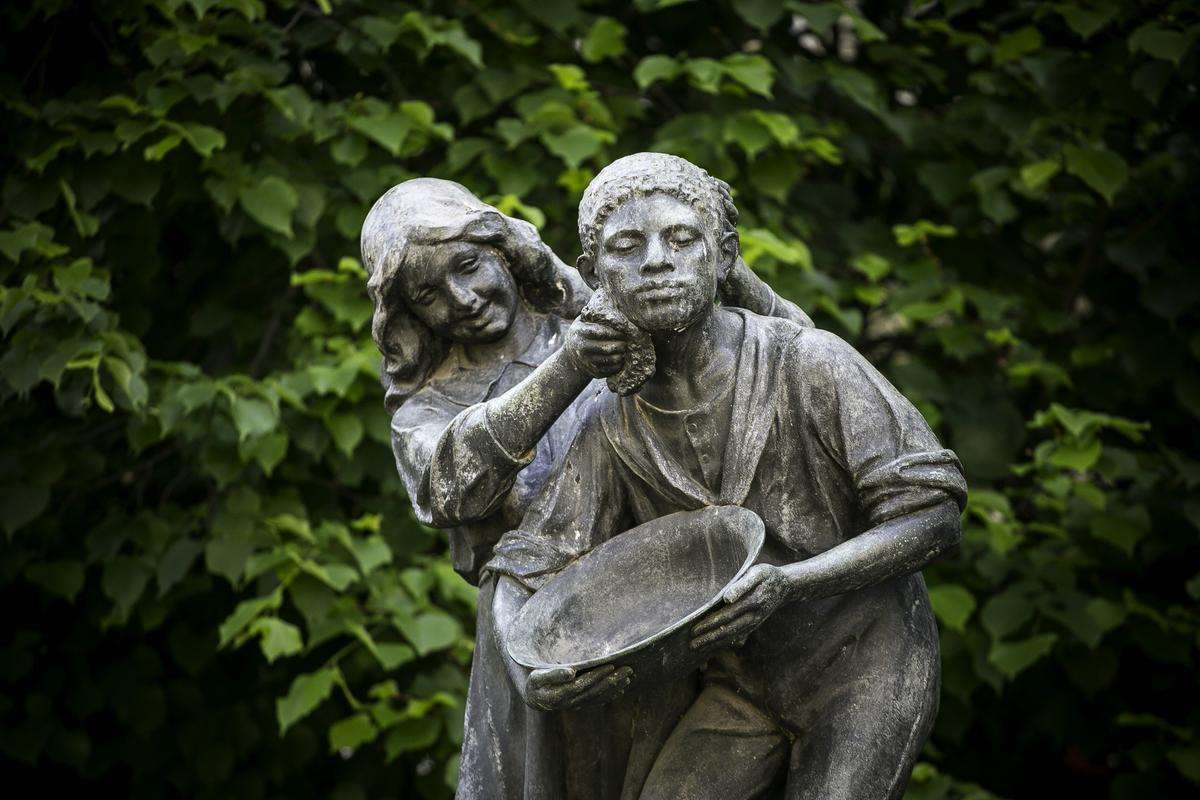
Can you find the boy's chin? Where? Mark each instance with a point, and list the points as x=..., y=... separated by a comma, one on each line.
x=667, y=322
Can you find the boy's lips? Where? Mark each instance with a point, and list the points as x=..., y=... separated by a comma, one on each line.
x=660, y=291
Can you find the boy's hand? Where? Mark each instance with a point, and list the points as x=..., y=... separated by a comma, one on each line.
x=756, y=596
x=556, y=689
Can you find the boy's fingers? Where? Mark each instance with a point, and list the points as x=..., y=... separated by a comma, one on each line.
x=725, y=615
x=724, y=618
x=736, y=631
x=746, y=583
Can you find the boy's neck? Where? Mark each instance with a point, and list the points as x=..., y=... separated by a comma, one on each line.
x=690, y=364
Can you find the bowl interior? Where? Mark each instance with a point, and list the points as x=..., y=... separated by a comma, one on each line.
x=636, y=588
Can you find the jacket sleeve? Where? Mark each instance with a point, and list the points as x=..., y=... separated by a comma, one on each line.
x=894, y=460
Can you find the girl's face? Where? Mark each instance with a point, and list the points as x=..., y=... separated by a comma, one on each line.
x=461, y=290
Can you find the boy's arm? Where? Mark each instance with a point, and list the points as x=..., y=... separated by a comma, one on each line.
x=897, y=547
x=909, y=489
x=550, y=689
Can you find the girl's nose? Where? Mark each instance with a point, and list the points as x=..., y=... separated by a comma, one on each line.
x=461, y=296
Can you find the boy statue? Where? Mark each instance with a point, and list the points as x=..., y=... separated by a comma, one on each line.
x=822, y=673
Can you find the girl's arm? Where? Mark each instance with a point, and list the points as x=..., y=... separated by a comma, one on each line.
x=477, y=457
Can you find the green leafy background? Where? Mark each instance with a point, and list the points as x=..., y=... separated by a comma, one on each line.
x=212, y=583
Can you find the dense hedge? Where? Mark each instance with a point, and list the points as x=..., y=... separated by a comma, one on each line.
x=212, y=582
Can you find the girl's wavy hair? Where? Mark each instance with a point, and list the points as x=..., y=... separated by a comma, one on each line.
x=429, y=211
x=642, y=174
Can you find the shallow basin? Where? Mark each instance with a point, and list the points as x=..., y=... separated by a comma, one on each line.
x=632, y=600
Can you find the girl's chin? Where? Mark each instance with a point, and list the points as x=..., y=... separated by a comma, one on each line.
x=492, y=332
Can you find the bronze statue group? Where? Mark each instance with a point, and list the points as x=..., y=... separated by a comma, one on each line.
x=820, y=667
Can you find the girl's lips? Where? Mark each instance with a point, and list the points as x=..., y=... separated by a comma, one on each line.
x=476, y=320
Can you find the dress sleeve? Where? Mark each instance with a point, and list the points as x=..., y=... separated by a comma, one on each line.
x=581, y=506
x=894, y=460
x=755, y=294
x=470, y=472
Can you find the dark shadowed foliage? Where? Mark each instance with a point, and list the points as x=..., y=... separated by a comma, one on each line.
x=212, y=583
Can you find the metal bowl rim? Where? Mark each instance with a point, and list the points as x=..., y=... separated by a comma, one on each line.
x=757, y=537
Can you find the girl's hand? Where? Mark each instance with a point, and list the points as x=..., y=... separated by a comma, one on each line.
x=748, y=603
x=596, y=349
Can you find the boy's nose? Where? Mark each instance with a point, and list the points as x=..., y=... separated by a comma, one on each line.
x=658, y=259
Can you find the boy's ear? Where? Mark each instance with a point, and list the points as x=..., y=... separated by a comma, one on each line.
x=729, y=248
x=587, y=269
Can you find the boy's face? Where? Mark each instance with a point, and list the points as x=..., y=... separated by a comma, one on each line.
x=658, y=263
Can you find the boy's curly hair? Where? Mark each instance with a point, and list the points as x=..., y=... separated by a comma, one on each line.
x=642, y=174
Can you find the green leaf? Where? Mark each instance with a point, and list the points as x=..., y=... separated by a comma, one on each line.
x=351, y=733
x=392, y=654
x=60, y=578
x=1086, y=21
x=25, y=237
x=874, y=266
x=761, y=14
x=570, y=77
x=1160, y=42
x=159, y=150
x=605, y=39
x=1103, y=170
x=753, y=72
x=175, y=562
x=1122, y=529
x=952, y=604
x=653, y=69
x=577, y=144
x=271, y=202
x=1079, y=456
x=1102, y=616
x=704, y=73
x=253, y=416
x=821, y=16
x=306, y=693
x=1017, y=44
x=388, y=128
x=267, y=450
x=20, y=504
x=431, y=631
x=1036, y=174
x=1186, y=759
x=346, y=430
x=411, y=735
x=124, y=580
x=759, y=242
x=203, y=139
x=245, y=613
x=1013, y=658
x=276, y=637
x=1005, y=613
x=226, y=555
x=371, y=553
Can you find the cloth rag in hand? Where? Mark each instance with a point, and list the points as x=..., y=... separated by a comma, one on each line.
x=639, y=353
